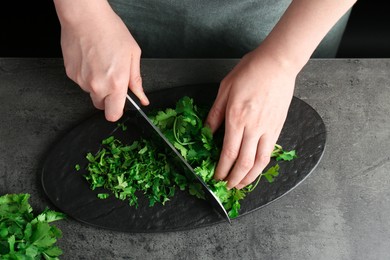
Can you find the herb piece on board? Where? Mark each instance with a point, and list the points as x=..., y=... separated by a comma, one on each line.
x=25, y=236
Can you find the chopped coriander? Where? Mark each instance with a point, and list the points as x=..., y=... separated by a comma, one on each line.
x=77, y=167
x=126, y=169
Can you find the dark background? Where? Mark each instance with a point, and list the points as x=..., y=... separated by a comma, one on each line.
x=31, y=29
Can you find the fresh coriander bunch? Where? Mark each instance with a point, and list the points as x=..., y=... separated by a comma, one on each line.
x=25, y=236
x=184, y=128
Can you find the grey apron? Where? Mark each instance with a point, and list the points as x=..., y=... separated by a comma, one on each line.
x=209, y=29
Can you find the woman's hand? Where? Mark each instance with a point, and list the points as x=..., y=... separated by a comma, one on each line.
x=254, y=97
x=100, y=54
x=253, y=100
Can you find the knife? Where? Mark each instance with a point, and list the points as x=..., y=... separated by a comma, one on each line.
x=180, y=162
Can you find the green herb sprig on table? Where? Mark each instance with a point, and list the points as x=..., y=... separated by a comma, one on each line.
x=126, y=169
x=25, y=236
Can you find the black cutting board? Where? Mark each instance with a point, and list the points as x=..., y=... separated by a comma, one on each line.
x=304, y=131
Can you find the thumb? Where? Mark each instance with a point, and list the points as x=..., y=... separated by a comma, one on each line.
x=217, y=112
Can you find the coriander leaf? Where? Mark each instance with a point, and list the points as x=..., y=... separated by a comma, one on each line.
x=271, y=173
x=103, y=196
x=53, y=252
x=287, y=156
x=279, y=154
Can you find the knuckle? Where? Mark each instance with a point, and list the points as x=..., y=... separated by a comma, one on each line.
x=249, y=179
x=234, y=113
x=233, y=182
x=68, y=71
x=138, y=49
x=245, y=163
x=240, y=111
x=136, y=82
x=115, y=88
x=137, y=52
x=95, y=86
x=230, y=153
x=244, y=182
x=263, y=159
x=216, y=113
x=118, y=83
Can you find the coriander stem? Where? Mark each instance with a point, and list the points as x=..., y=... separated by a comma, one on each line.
x=257, y=182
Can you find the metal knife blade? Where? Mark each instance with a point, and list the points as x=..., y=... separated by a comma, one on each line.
x=180, y=162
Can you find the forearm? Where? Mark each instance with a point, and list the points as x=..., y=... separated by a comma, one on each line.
x=300, y=30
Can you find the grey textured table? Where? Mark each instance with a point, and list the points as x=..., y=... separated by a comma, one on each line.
x=341, y=211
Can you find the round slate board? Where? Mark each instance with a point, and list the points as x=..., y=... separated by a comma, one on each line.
x=67, y=189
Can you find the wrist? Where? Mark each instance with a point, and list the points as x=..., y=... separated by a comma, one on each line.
x=71, y=12
x=280, y=57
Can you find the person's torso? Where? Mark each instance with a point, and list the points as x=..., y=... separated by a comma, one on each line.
x=206, y=29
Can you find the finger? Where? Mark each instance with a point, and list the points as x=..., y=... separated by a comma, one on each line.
x=246, y=158
x=114, y=104
x=135, y=82
x=264, y=150
x=96, y=91
x=263, y=156
x=230, y=149
x=217, y=112
x=251, y=176
x=97, y=101
x=254, y=172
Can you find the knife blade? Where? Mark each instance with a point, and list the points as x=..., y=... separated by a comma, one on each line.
x=180, y=162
